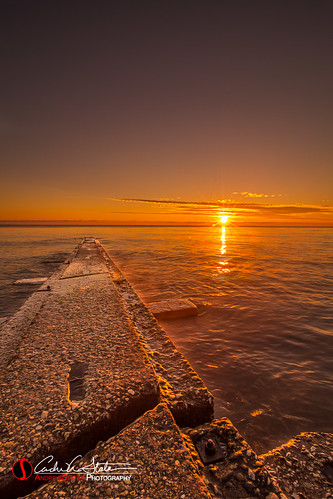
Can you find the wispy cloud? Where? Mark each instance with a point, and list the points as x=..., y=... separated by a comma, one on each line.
x=237, y=207
x=256, y=195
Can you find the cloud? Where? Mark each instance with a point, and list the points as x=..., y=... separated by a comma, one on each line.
x=241, y=208
x=255, y=195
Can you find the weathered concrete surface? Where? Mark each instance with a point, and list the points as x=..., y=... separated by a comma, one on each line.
x=173, y=309
x=181, y=388
x=303, y=467
x=154, y=446
x=236, y=472
x=87, y=261
x=78, y=326
x=84, y=357
x=15, y=328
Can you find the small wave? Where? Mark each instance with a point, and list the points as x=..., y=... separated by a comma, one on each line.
x=318, y=330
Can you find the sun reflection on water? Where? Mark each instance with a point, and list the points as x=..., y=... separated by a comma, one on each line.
x=223, y=261
x=223, y=249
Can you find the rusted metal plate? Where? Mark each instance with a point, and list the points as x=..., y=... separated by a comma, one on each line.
x=211, y=449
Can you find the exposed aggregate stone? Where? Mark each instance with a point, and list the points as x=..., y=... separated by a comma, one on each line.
x=154, y=445
x=84, y=321
x=181, y=388
x=241, y=473
x=303, y=467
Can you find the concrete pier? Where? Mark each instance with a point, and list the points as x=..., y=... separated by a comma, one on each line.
x=96, y=401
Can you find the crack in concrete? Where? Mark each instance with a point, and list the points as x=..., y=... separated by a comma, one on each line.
x=82, y=275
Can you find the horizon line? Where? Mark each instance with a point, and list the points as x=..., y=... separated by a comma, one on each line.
x=50, y=224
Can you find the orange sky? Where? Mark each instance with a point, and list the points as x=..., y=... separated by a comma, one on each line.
x=107, y=109
x=134, y=211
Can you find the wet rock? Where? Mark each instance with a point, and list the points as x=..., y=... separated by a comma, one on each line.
x=296, y=477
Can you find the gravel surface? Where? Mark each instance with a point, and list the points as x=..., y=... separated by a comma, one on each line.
x=155, y=447
x=303, y=467
x=81, y=326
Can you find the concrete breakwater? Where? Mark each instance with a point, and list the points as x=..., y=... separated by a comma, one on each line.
x=88, y=376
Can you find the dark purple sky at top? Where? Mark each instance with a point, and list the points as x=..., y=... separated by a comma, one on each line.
x=189, y=99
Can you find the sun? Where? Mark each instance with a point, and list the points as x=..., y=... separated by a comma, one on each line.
x=224, y=219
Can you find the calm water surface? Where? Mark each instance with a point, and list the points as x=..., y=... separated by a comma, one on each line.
x=263, y=339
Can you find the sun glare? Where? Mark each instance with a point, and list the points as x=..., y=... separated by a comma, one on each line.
x=224, y=219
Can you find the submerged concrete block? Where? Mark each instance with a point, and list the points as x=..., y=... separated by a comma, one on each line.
x=32, y=280
x=172, y=309
x=150, y=455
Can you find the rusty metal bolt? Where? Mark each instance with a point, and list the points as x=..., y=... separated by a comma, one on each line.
x=210, y=447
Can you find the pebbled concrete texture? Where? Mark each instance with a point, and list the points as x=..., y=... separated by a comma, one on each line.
x=14, y=328
x=303, y=467
x=82, y=322
x=87, y=261
x=154, y=447
x=232, y=469
x=181, y=388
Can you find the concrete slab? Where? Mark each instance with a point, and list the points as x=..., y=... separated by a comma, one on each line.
x=172, y=309
x=79, y=340
x=229, y=465
x=181, y=388
x=88, y=261
x=15, y=328
x=153, y=454
x=303, y=467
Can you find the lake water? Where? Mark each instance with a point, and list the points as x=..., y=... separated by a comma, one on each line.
x=263, y=339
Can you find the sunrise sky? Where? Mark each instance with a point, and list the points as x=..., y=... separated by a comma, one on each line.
x=161, y=112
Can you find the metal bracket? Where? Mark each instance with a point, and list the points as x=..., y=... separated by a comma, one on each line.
x=210, y=449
